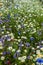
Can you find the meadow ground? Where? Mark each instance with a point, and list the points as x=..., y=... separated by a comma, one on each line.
x=21, y=32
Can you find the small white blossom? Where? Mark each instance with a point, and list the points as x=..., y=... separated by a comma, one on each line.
x=37, y=46
x=6, y=35
x=34, y=55
x=18, y=50
x=41, y=48
x=15, y=64
x=42, y=42
x=25, y=24
x=24, y=37
x=0, y=43
x=9, y=39
x=19, y=26
x=1, y=47
x=33, y=48
x=8, y=32
x=24, y=32
x=22, y=59
x=1, y=53
x=4, y=27
x=13, y=50
x=19, y=58
x=19, y=40
x=25, y=51
x=2, y=32
x=2, y=57
x=37, y=51
x=10, y=48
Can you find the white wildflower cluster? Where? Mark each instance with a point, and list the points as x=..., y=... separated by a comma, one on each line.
x=22, y=59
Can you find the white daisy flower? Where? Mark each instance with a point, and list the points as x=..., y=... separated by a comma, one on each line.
x=10, y=48
x=13, y=50
x=22, y=59
x=37, y=51
x=1, y=47
x=2, y=57
x=25, y=51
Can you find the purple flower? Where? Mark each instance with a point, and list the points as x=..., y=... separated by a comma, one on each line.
x=0, y=21
x=6, y=20
x=4, y=53
x=20, y=45
x=31, y=38
x=8, y=37
x=17, y=53
x=28, y=57
x=1, y=40
x=27, y=44
x=41, y=46
x=19, y=32
x=14, y=56
x=39, y=60
x=8, y=52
